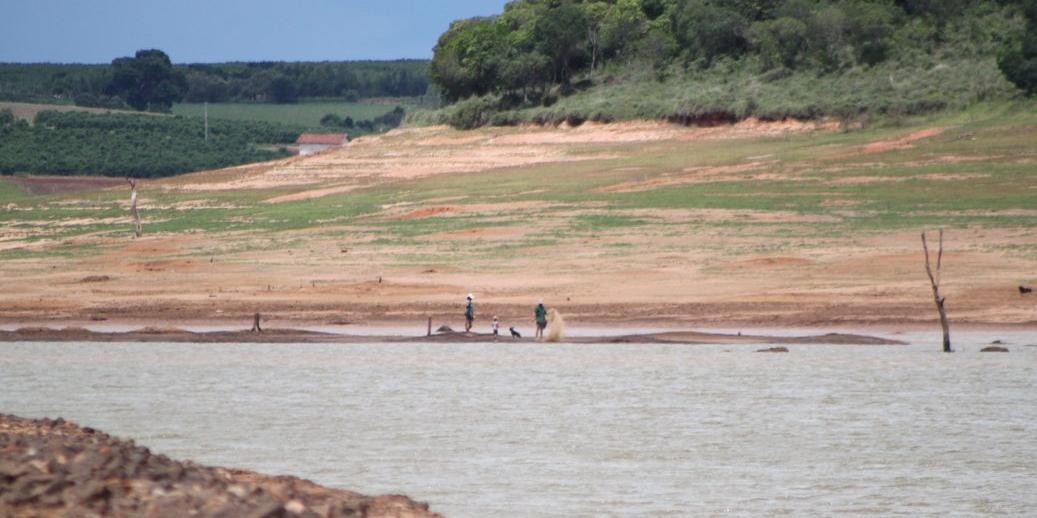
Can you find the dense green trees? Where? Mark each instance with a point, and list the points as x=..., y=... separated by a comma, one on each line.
x=220, y=82
x=708, y=29
x=285, y=81
x=536, y=49
x=282, y=90
x=147, y=81
x=1019, y=60
x=133, y=145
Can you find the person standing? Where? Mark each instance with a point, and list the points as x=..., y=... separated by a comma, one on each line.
x=540, y=313
x=495, y=325
x=469, y=314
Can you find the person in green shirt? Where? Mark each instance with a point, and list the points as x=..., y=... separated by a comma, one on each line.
x=541, y=319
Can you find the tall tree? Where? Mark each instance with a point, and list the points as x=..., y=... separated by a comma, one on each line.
x=1019, y=61
x=560, y=33
x=282, y=90
x=623, y=25
x=147, y=81
x=710, y=30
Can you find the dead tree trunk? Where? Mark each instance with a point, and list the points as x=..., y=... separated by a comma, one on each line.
x=138, y=228
x=934, y=280
x=255, y=324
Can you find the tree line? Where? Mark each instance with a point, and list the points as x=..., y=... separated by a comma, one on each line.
x=161, y=82
x=536, y=50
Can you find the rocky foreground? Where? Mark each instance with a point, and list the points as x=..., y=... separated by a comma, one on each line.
x=58, y=468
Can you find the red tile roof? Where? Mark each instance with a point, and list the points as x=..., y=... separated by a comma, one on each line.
x=331, y=139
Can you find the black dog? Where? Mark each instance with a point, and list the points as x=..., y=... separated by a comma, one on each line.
x=1023, y=290
x=514, y=333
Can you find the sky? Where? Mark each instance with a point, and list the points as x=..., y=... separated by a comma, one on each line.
x=206, y=31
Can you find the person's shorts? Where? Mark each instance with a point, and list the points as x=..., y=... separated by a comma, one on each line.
x=541, y=325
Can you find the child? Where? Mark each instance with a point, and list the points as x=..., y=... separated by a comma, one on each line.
x=496, y=327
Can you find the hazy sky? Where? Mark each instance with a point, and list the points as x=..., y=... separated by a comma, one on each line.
x=95, y=31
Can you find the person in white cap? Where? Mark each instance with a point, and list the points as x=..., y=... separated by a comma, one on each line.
x=469, y=314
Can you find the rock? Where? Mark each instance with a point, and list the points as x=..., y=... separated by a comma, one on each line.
x=95, y=278
x=774, y=350
x=444, y=329
x=295, y=507
x=994, y=349
x=56, y=468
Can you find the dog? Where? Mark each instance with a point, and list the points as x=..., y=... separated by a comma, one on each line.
x=514, y=333
x=1023, y=290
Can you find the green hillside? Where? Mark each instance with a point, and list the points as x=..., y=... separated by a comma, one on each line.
x=706, y=61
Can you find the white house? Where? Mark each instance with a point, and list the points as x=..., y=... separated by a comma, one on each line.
x=310, y=143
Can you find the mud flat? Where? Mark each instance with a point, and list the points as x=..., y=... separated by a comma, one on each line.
x=78, y=334
x=57, y=468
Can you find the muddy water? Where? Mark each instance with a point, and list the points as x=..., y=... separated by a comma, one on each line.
x=589, y=430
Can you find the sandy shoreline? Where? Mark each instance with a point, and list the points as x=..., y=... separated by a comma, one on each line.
x=283, y=330
x=215, y=334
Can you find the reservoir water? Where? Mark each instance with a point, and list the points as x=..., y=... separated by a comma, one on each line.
x=576, y=430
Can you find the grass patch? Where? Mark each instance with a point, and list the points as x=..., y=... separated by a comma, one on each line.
x=886, y=92
x=11, y=192
x=593, y=222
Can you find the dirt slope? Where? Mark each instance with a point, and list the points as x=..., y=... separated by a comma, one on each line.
x=758, y=223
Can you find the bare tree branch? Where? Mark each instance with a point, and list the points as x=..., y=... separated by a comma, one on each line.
x=939, y=260
x=934, y=280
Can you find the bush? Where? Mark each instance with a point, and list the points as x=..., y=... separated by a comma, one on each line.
x=472, y=113
x=331, y=120
x=388, y=120
x=90, y=100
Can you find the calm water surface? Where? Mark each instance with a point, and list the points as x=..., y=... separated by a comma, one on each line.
x=576, y=430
